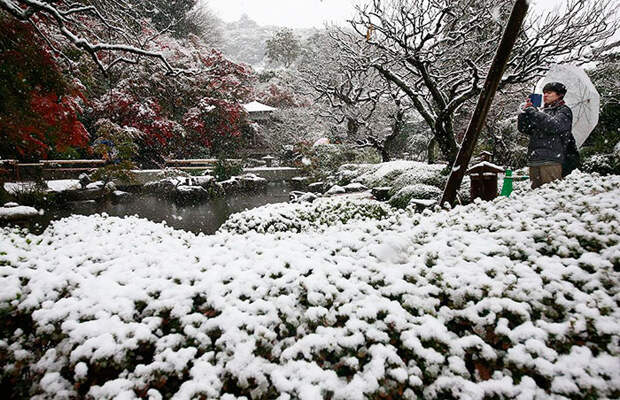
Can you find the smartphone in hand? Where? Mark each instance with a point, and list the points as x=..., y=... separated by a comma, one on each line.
x=535, y=99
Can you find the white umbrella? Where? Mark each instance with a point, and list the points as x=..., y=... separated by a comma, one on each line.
x=581, y=96
x=321, y=141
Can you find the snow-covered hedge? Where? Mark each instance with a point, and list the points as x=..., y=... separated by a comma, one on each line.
x=305, y=216
x=512, y=299
x=602, y=164
x=402, y=198
x=408, y=180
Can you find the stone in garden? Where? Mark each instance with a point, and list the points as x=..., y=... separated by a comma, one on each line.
x=299, y=182
x=251, y=182
x=205, y=181
x=188, y=194
x=307, y=197
x=355, y=187
x=119, y=196
x=317, y=187
x=335, y=190
x=300, y=197
x=84, y=194
x=17, y=212
x=231, y=185
x=422, y=204
x=162, y=187
x=110, y=187
x=381, y=193
x=84, y=180
x=294, y=195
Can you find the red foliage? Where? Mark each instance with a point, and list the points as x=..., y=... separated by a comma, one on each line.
x=39, y=109
x=145, y=115
x=279, y=97
x=215, y=122
x=224, y=77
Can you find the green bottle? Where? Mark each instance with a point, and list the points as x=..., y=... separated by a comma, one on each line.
x=507, y=186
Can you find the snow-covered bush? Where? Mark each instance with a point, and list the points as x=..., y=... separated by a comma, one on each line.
x=325, y=159
x=602, y=164
x=304, y=217
x=511, y=299
x=408, y=180
x=402, y=198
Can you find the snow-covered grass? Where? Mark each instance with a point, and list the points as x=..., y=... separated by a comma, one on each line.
x=511, y=299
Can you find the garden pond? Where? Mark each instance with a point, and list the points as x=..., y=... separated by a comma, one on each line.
x=202, y=217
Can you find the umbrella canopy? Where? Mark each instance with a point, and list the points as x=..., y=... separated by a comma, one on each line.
x=581, y=96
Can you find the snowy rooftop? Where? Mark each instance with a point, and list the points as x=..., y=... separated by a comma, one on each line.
x=486, y=165
x=255, y=106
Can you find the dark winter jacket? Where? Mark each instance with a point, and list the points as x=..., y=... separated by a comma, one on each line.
x=548, y=130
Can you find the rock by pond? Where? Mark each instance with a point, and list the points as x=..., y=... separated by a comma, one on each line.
x=14, y=212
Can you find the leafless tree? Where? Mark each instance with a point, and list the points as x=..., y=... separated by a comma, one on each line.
x=351, y=91
x=438, y=51
x=110, y=31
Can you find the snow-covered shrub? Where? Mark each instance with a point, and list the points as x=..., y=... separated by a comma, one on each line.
x=604, y=164
x=402, y=197
x=225, y=169
x=387, y=174
x=408, y=179
x=511, y=299
x=304, y=217
x=325, y=159
x=35, y=194
x=348, y=172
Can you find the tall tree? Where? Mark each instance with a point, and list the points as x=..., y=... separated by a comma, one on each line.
x=284, y=47
x=438, y=52
x=336, y=66
x=39, y=107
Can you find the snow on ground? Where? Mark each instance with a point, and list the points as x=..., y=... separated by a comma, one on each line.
x=515, y=298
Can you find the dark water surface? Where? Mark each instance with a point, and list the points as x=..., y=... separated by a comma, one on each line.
x=205, y=217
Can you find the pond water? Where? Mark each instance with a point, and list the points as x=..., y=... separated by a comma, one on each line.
x=205, y=217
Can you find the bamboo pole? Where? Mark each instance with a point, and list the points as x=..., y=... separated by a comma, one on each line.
x=509, y=37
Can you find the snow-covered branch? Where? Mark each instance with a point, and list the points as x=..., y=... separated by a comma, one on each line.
x=82, y=25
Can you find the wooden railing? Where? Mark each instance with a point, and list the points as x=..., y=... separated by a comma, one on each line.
x=195, y=163
x=47, y=169
x=13, y=170
x=191, y=163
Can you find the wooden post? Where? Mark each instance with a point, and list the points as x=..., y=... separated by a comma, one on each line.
x=509, y=37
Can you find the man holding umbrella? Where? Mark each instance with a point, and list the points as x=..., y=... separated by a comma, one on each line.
x=551, y=138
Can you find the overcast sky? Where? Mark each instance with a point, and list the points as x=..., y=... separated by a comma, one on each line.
x=290, y=13
x=301, y=13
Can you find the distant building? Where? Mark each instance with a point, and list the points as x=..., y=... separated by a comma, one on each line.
x=258, y=111
x=259, y=116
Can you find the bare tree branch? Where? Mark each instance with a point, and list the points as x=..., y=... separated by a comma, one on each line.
x=75, y=23
x=438, y=51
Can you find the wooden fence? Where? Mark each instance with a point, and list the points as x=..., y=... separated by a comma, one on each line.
x=13, y=170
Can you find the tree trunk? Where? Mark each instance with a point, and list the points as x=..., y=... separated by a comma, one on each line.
x=447, y=143
x=352, y=128
x=385, y=155
x=397, y=128
x=430, y=150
